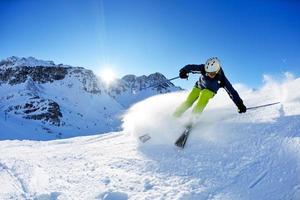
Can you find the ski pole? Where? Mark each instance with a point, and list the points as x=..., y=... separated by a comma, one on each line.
x=157, y=84
x=265, y=105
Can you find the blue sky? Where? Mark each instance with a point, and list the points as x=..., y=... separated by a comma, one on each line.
x=139, y=37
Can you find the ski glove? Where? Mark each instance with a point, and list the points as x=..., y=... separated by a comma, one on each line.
x=183, y=74
x=242, y=108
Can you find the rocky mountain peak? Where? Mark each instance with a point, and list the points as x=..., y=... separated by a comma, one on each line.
x=15, y=61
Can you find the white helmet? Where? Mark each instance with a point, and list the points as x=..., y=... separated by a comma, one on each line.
x=212, y=65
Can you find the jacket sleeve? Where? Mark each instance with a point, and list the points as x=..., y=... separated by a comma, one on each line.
x=232, y=92
x=193, y=68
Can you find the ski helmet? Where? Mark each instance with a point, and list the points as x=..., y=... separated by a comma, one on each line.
x=212, y=65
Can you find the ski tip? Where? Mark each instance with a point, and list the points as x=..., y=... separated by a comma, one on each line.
x=179, y=145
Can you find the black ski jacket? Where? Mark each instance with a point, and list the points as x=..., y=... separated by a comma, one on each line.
x=214, y=84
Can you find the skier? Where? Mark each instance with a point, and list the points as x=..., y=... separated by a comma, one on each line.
x=211, y=79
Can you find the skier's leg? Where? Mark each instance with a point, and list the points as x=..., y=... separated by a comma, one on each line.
x=204, y=96
x=192, y=97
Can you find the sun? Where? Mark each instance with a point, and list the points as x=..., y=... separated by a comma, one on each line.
x=107, y=75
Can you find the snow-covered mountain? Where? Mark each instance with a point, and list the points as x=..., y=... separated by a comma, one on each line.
x=229, y=156
x=131, y=89
x=42, y=100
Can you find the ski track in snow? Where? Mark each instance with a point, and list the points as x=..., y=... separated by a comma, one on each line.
x=237, y=157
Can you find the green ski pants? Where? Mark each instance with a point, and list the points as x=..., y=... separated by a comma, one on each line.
x=201, y=96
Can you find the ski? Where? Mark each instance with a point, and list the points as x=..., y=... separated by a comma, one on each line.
x=181, y=141
x=144, y=138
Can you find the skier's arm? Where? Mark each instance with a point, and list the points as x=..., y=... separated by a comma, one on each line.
x=234, y=95
x=193, y=68
x=183, y=73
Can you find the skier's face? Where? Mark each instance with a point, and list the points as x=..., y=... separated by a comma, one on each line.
x=212, y=74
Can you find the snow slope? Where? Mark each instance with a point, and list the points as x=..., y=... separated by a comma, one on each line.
x=229, y=156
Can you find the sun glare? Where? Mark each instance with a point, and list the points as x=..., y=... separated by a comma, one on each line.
x=107, y=75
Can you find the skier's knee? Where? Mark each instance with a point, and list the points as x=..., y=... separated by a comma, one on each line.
x=207, y=94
